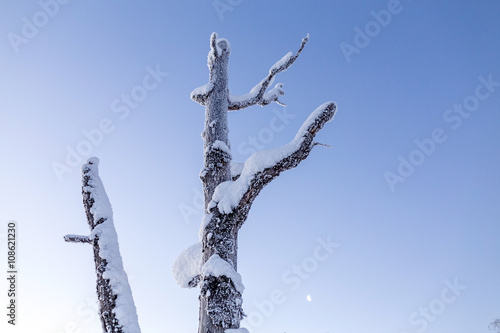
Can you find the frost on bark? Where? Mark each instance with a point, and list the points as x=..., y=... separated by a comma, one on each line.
x=231, y=188
x=116, y=305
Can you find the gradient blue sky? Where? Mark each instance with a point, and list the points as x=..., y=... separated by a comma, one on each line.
x=396, y=247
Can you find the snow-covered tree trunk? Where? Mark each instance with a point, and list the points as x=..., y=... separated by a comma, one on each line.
x=116, y=305
x=229, y=192
x=220, y=301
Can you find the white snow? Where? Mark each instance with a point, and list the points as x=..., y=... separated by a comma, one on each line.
x=187, y=265
x=204, y=222
x=221, y=145
x=236, y=168
x=228, y=45
x=281, y=62
x=274, y=93
x=241, y=98
x=218, y=49
x=203, y=90
x=227, y=195
x=125, y=310
x=271, y=95
x=251, y=95
x=216, y=266
x=77, y=238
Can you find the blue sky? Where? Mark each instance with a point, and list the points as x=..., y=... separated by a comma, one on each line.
x=417, y=223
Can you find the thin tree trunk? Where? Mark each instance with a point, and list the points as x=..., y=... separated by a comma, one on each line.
x=217, y=159
x=116, y=305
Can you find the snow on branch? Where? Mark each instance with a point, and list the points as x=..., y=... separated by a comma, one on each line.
x=187, y=268
x=258, y=94
x=116, y=305
x=262, y=167
x=236, y=169
x=218, y=48
x=221, y=289
x=216, y=266
x=200, y=94
x=78, y=239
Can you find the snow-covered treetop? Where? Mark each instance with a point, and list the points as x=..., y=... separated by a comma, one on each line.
x=218, y=47
x=259, y=94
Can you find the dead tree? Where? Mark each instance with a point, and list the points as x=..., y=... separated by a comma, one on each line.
x=116, y=305
x=230, y=188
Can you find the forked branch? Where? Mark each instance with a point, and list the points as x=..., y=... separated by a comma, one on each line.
x=258, y=95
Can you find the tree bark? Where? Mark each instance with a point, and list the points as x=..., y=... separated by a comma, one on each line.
x=226, y=205
x=216, y=292
x=116, y=309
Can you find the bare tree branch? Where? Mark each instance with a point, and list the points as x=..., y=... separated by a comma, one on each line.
x=200, y=94
x=236, y=169
x=78, y=239
x=321, y=144
x=258, y=95
x=236, y=197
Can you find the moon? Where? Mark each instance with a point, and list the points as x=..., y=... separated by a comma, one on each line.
x=309, y=298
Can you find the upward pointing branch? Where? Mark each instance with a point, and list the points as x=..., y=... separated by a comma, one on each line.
x=258, y=95
x=116, y=305
x=262, y=167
